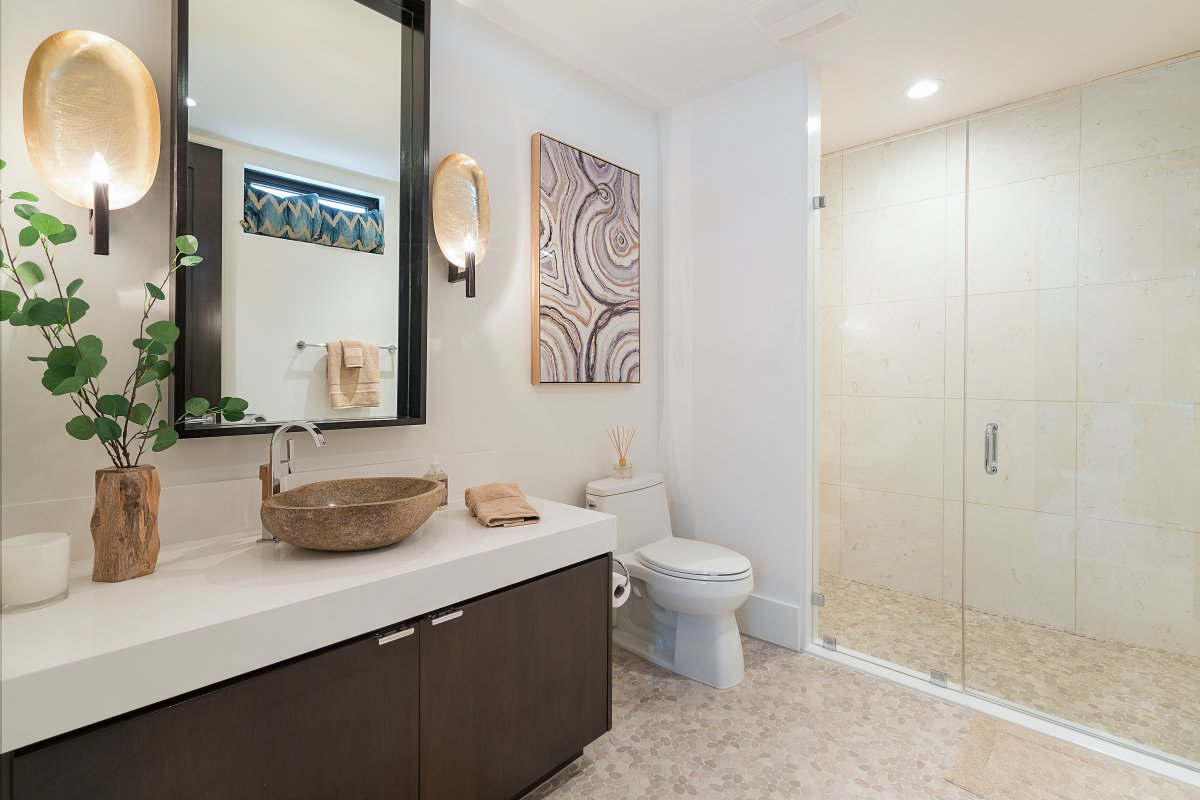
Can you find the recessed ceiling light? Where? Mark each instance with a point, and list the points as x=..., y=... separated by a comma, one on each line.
x=925, y=88
x=191, y=103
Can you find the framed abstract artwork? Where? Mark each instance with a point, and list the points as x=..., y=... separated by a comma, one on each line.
x=586, y=267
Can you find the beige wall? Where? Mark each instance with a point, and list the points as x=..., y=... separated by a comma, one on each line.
x=490, y=92
x=1077, y=330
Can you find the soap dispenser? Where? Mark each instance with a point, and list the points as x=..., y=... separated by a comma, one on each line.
x=436, y=473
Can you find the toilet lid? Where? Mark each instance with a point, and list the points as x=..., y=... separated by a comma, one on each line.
x=689, y=557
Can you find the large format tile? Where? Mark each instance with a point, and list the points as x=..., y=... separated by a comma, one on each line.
x=1023, y=235
x=1020, y=564
x=829, y=533
x=956, y=157
x=952, y=551
x=1139, y=463
x=831, y=186
x=1036, y=447
x=894, y=349
x=894, y=253
x=1021, y=345
x=892, y=540
x=829, y=293
x=830, y=437
x=956, y=346
x=892, y=444
x=953, y=463
x=1140, y=342
x=1140, y=584
x=956, y=244
x=900, y=171
x=830, y=333
x=1036, y=140
x=1147, y=113
x=1140, y=220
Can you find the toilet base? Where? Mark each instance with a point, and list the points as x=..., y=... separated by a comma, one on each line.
x=705, y=649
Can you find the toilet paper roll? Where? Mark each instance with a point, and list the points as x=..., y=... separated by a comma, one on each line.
x=620, y=590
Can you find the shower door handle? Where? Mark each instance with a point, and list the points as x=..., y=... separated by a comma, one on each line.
x=990, y=448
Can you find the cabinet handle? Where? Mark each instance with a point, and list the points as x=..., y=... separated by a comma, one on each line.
x=449, y=615
x=394, y=636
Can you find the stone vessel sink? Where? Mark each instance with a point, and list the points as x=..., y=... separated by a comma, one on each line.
x=352, y=513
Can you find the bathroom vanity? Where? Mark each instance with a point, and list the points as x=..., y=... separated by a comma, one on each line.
x=462, y=663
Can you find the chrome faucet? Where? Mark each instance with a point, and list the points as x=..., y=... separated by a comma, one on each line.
x=276, y=468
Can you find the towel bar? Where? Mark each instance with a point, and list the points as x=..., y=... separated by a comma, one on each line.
x=300, y=345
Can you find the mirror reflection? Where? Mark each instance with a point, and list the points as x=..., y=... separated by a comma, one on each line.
x=294, y=191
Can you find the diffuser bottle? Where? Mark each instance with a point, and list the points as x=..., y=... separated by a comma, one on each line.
x=436, y=473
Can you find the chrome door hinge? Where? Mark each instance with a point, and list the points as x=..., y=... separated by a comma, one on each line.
x=829, y=642
x=937, y=678
x=817, y=599
x=819, y=201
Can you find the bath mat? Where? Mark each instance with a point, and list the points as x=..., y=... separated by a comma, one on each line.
x=1001, y=761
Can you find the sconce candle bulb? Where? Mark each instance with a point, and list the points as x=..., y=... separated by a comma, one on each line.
x=99, y=172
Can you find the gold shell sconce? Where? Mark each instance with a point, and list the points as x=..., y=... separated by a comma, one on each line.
x=91, y=121
x=462, y=216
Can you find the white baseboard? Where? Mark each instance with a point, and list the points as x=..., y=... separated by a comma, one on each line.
x=772, y=621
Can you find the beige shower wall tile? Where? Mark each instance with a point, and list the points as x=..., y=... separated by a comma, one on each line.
x=892, y=540
x=829, y=533
x=1035, y=140
x=1139, y=463
x=1147, y=113
x=956, y=245
x=830, y=333
x=956, y=346
x=1139, y=585
x=1036, y=455
x=956, y=157
x=1140, y=342
x=1140, y=219
x=900, y=171
x=894, y=349
x=829, y=293
x=1024, y=235
x=953, y=463
x=893, y=444
x=895, y=253
x=1021, y=345
x=1020, y=564
x=831, y=186
x=952, y=551
x=830, y=438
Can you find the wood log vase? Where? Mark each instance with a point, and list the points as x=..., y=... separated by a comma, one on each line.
x=125, y=523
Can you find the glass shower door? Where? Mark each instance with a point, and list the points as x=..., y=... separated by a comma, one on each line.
x=1081, y=439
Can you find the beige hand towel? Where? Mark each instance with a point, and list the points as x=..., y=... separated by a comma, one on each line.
x=352, y=354
x=501, y=505
x=350, y=386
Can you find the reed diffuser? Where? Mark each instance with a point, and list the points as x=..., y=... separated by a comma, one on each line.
x=621, y=440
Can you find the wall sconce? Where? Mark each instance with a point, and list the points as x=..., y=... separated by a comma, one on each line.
x=462, y=216
x=91, y=123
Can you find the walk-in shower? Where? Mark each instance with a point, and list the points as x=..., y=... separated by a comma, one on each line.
x=1020, y=288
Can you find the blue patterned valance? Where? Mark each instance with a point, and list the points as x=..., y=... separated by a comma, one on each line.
x=302, y=218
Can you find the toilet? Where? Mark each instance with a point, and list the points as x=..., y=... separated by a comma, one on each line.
x=680, y=614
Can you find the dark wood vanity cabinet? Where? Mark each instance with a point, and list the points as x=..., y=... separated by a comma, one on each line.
x=514, y=685
x=478, y=702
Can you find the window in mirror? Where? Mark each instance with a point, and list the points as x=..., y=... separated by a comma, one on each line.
x=291, y=207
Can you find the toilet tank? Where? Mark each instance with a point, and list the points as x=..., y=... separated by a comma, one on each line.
x=639, y=504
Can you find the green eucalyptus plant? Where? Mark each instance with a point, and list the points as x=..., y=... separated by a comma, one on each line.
x=122, y=424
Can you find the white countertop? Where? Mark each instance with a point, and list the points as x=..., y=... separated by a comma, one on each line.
x=217, y=608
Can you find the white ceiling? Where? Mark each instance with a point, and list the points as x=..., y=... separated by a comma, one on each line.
x=989, y=52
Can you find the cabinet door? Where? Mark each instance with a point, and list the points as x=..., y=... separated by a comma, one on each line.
x=338, y=723
x=516, y=686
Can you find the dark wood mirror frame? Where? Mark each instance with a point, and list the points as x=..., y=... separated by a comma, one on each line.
x=196, y=294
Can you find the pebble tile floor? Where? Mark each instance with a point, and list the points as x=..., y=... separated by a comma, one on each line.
x=796, y=726
x=1138, y=693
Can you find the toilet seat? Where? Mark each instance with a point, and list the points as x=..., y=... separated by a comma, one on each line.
x=693, y=560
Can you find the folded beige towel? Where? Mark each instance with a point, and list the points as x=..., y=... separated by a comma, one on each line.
x=351, y=386
x=500, y=505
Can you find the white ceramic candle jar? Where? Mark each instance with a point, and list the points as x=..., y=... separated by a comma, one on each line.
x=34, y=569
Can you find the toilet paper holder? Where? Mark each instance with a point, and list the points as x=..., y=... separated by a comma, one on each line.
x=620, y=590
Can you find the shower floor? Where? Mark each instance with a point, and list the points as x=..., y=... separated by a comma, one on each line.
x=1138, y=693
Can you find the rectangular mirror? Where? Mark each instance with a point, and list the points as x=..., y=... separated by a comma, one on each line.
x=300, y=163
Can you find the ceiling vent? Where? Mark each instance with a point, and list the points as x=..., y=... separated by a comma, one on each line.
x=790, y=22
